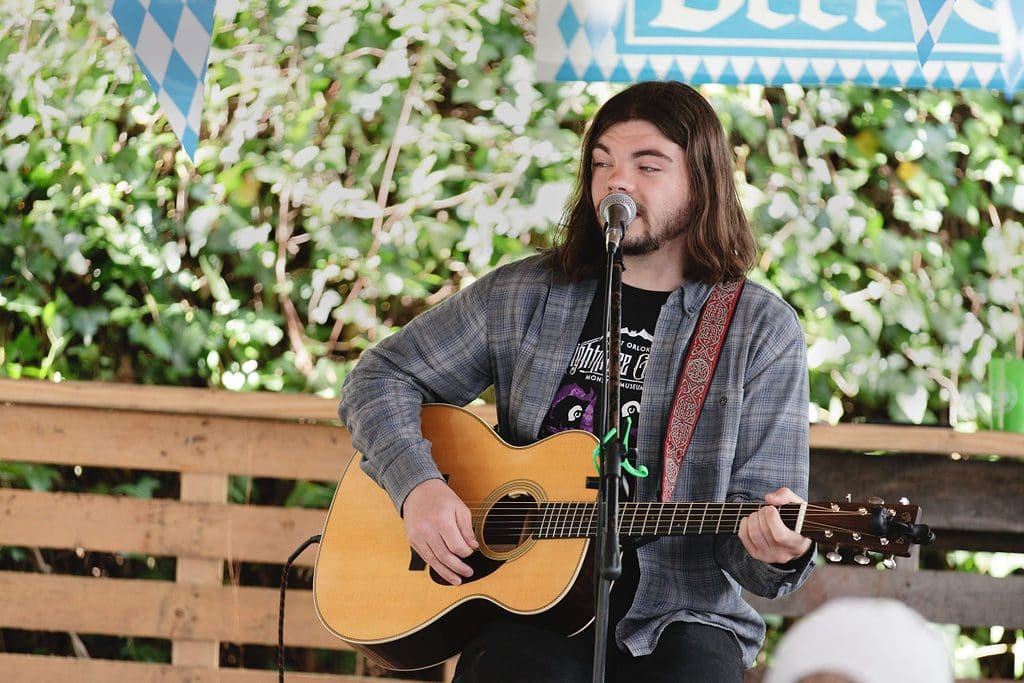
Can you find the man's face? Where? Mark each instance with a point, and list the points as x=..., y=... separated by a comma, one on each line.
x=635, y=158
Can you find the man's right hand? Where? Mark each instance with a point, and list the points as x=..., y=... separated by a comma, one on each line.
x=440, y=529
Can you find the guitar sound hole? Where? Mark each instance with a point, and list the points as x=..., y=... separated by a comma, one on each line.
x=507, y=524
x=505, y=528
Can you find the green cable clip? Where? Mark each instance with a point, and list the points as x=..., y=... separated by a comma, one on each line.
x=640, y=472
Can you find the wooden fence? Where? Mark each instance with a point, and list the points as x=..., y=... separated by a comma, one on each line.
x=972, y=500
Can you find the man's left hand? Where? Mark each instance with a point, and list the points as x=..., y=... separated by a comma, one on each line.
x=766, y=537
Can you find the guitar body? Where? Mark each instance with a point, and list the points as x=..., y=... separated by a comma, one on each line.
x=371, y=590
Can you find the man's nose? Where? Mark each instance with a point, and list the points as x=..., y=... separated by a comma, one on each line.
x=621, y=180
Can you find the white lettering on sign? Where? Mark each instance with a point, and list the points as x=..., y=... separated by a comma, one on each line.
x=981, y=18
x=676, y=15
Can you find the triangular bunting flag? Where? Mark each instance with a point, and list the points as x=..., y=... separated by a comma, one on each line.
x=171, y=43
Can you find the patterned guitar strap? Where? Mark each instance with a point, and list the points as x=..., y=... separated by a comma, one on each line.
x=695, y=378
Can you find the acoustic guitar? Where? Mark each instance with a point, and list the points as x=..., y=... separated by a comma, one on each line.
x=534, y=516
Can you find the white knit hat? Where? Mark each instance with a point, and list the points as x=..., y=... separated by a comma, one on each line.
x=868, y=640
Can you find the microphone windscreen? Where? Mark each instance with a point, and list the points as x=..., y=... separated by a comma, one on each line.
x=617, y=206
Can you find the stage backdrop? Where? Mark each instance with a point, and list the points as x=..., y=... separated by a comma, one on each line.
x=879, y=43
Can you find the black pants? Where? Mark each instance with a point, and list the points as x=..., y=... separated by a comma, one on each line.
x=512, y=653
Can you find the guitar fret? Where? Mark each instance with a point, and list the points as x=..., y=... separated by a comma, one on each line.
x=542, y=523
x=702, y=518
x=718, y=524
x=556, y=520
x=579, y=518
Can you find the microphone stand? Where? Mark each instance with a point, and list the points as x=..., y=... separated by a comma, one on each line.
x=607, y=557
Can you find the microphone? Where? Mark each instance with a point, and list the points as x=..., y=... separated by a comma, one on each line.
x=617, y=210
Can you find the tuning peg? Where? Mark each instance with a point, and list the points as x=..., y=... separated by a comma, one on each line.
x=889, y=562
x=904, y=501
x=875, y=500
x=861, y=558
x=833, y=555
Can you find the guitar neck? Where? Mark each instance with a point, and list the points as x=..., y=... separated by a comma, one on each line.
x=579, y=519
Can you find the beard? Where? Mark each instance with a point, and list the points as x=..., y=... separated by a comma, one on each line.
x=658, y=234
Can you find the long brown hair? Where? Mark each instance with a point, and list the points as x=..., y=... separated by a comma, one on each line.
x=719, y=245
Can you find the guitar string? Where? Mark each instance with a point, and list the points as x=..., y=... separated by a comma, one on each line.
x=588, y=529
x=504, y=522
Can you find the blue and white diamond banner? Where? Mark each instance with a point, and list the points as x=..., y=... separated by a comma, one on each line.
x=1011, y=37
x=171, y=43
x=772, y=42
x=927, y=19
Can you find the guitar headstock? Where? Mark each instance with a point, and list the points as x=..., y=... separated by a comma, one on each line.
x=866, y=527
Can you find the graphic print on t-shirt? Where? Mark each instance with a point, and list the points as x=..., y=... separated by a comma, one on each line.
x=576, y=402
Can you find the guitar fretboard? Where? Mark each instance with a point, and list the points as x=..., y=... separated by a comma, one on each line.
x=579, y=519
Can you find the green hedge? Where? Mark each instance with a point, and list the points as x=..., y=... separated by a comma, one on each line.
x=361, y=160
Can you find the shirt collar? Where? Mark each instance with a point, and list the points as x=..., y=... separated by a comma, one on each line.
x=694, y=293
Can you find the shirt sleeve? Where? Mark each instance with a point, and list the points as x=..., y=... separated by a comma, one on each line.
x=440, y=356
x=771, y=451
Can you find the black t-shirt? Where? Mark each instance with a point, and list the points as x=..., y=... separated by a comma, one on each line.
x=577, y=402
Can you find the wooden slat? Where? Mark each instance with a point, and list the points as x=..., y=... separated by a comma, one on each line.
x=193, y=570
x=159, y=527
x=181, y=400
x=166, y=399
x=757, y=675
x=914, y=439
x=269, y=405
x=942, y=597
x=968, y=495
x=173, y=443
x=159, y=609
x=176, y=443
x=38, y=669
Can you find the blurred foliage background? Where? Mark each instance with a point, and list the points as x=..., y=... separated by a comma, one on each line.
x=362, y=159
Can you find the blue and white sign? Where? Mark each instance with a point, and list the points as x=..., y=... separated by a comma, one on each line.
x=772, y=42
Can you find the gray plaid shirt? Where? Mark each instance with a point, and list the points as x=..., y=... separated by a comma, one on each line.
x=516, y=328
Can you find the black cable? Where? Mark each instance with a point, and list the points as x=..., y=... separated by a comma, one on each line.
x=280, y=615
